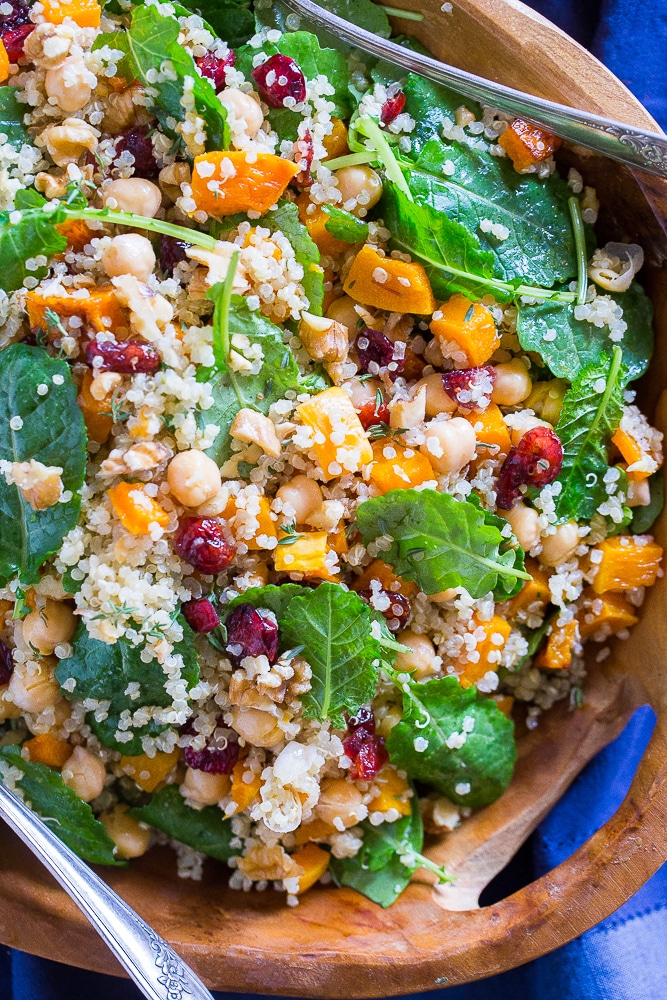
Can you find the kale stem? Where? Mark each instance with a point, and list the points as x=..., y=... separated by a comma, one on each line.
x=351, y=160
x=405, y=15
x=580, y=244
x=221, y=294
x=115, y=218
x=414, y=857
x=370, y=128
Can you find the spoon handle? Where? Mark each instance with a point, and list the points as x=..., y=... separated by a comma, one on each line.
x=153, y=965
x=626, y=143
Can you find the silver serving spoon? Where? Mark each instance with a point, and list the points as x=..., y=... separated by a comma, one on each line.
x=153, y=965
x=616, y=140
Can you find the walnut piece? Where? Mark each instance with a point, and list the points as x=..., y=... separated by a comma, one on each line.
x=262, y=863
x=40, y=485
x=255, y=428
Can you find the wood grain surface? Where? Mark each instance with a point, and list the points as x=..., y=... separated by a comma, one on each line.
x=336, y=943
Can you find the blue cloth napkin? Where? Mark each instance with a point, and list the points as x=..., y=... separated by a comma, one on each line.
x=623, y=957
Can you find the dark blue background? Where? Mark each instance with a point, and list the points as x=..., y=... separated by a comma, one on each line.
x=622, y=958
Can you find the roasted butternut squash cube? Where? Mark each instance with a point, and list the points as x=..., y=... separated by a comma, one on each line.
x=97, y=308
x=382, y=571
x=314, y=860
x=96, y=412
x=135, y=509
x=394, y=792
x=492, y=433
x=603, y=615
x=466, y=331
x=149, y=772
x=315, y=220
x=533, y=596
x=557, y=652
x=245, y=786
x=226, y=182
x=307, y=555
x=398, y=468
x=385, y=283
x=527, y=144
x=46, y=749
x=628, y=561
x=86, y=13
x=340, y=443
x=4, y=62
x=485, y=657
x=336, y=142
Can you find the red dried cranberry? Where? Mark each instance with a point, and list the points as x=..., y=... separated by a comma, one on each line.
x=376, y=352
x=18, y=16
x=200, y=542
x=6, y=663
x=371, y=414
x=200, y=614
x=213, y=67
x=137, y=142
x=14, y=41
x=366, y=750
x=128, y=357
x=213, y=759
x=470, y=388
x=278, y=80
x=392, y=108
x=304, y=151
x=398, y=610
x=536, y=461
x=172, y=252
x=251, y=631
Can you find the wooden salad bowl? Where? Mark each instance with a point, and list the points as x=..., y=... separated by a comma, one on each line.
x=336, y=943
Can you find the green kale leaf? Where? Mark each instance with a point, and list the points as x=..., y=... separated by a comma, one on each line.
x=643, y=518
x=592, y=411
x=205, y=829
x=285, y=219
x=270, y=598
x=52, y=432
x=103, y=672
x=377, y=871
x=333, y=626
x=455, y=740
x=11, y=118
x=233, y=22
x=68, y=816
x=344, y=226
x=33, y=235
x=438, y=542
x=578, y=343
x=363, y=13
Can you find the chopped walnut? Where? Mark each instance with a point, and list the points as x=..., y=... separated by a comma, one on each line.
x=262, y=863
x=67, y=142
x=257, y=677
x=51, y=187
x=406, y=414
x=149, y=311
x=255, y=428
x=323, y=338
x=104, y=384
x=217, y=264
x=40, y=485
x=439, y=814
x=137, y=458
x=48, y=45
x=172, y=176
x=122, y=110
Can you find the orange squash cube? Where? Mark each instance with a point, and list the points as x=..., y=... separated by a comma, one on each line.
x=135, y=509
x=314, y=829
x=628, y=561
x=527, y=144
x=315, y=220
x=385, y=283
x=382, y=571
x=46, y=749
x=634, y=454
x=336, y=142
x=96, y=412
x=393, y=792
x=244, y=792
x=76, y=232
x=505, y=703
x=401, y=470
x=99, y=308
x=556, y=654
x=4, y=62
x=149, y=772
x=486, y=655
x=267, y=528
x=86, y=13
x=314, y=860
x=224, y=183
x=466, y=331
x=306, y=555
x=604, y=615
x=331, y=415
x=491, y=431
x=533, y=596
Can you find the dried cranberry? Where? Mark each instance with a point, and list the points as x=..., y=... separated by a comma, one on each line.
x=375, y=351
x=213, y=67
x=470, y=388
x=251, y=631
x=200, y=614
x=397, y=611
x=279, y=80
x=392, y=108
x=6, y=663
x=536, y=461
x=366, y=750
x=128, y=357
x=19, y=15
x=14, y=41
x=137, y=142
x=304, y=151
x=214, y=759
x=200, y=542
x=172, y=252
x=371, y=414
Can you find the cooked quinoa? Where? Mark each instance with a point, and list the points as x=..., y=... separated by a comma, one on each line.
x=319, y=456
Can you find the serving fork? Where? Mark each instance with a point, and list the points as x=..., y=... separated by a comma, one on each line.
x=616, y=140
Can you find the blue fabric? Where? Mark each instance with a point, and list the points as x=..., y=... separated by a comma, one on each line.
x=622, y=958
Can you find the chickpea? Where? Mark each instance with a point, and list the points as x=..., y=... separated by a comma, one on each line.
x=129, y=253
x=437, y=400
x=129, y=835
x=342, y=311
x=443, y=596
x=193, y=478
x=303, y=494
x=513, y=384
x=361, y=392
x=560, y=546
x=85, y=774
x=259, y=728
x=47, y=626
x=340, y=803
x=525, y=525
x=639, y=493
x=360, y=188
x=204, y=788
x=133, y=194
x=36, y=688
x=450, y=444
x=419, y=661
x=8, y=710
x=69, y=84
x=244, y=108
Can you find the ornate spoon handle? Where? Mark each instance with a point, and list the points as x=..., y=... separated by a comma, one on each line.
x=616, y=140
x=153, y=965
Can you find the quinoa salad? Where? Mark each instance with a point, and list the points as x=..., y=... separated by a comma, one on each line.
x=320, y=453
